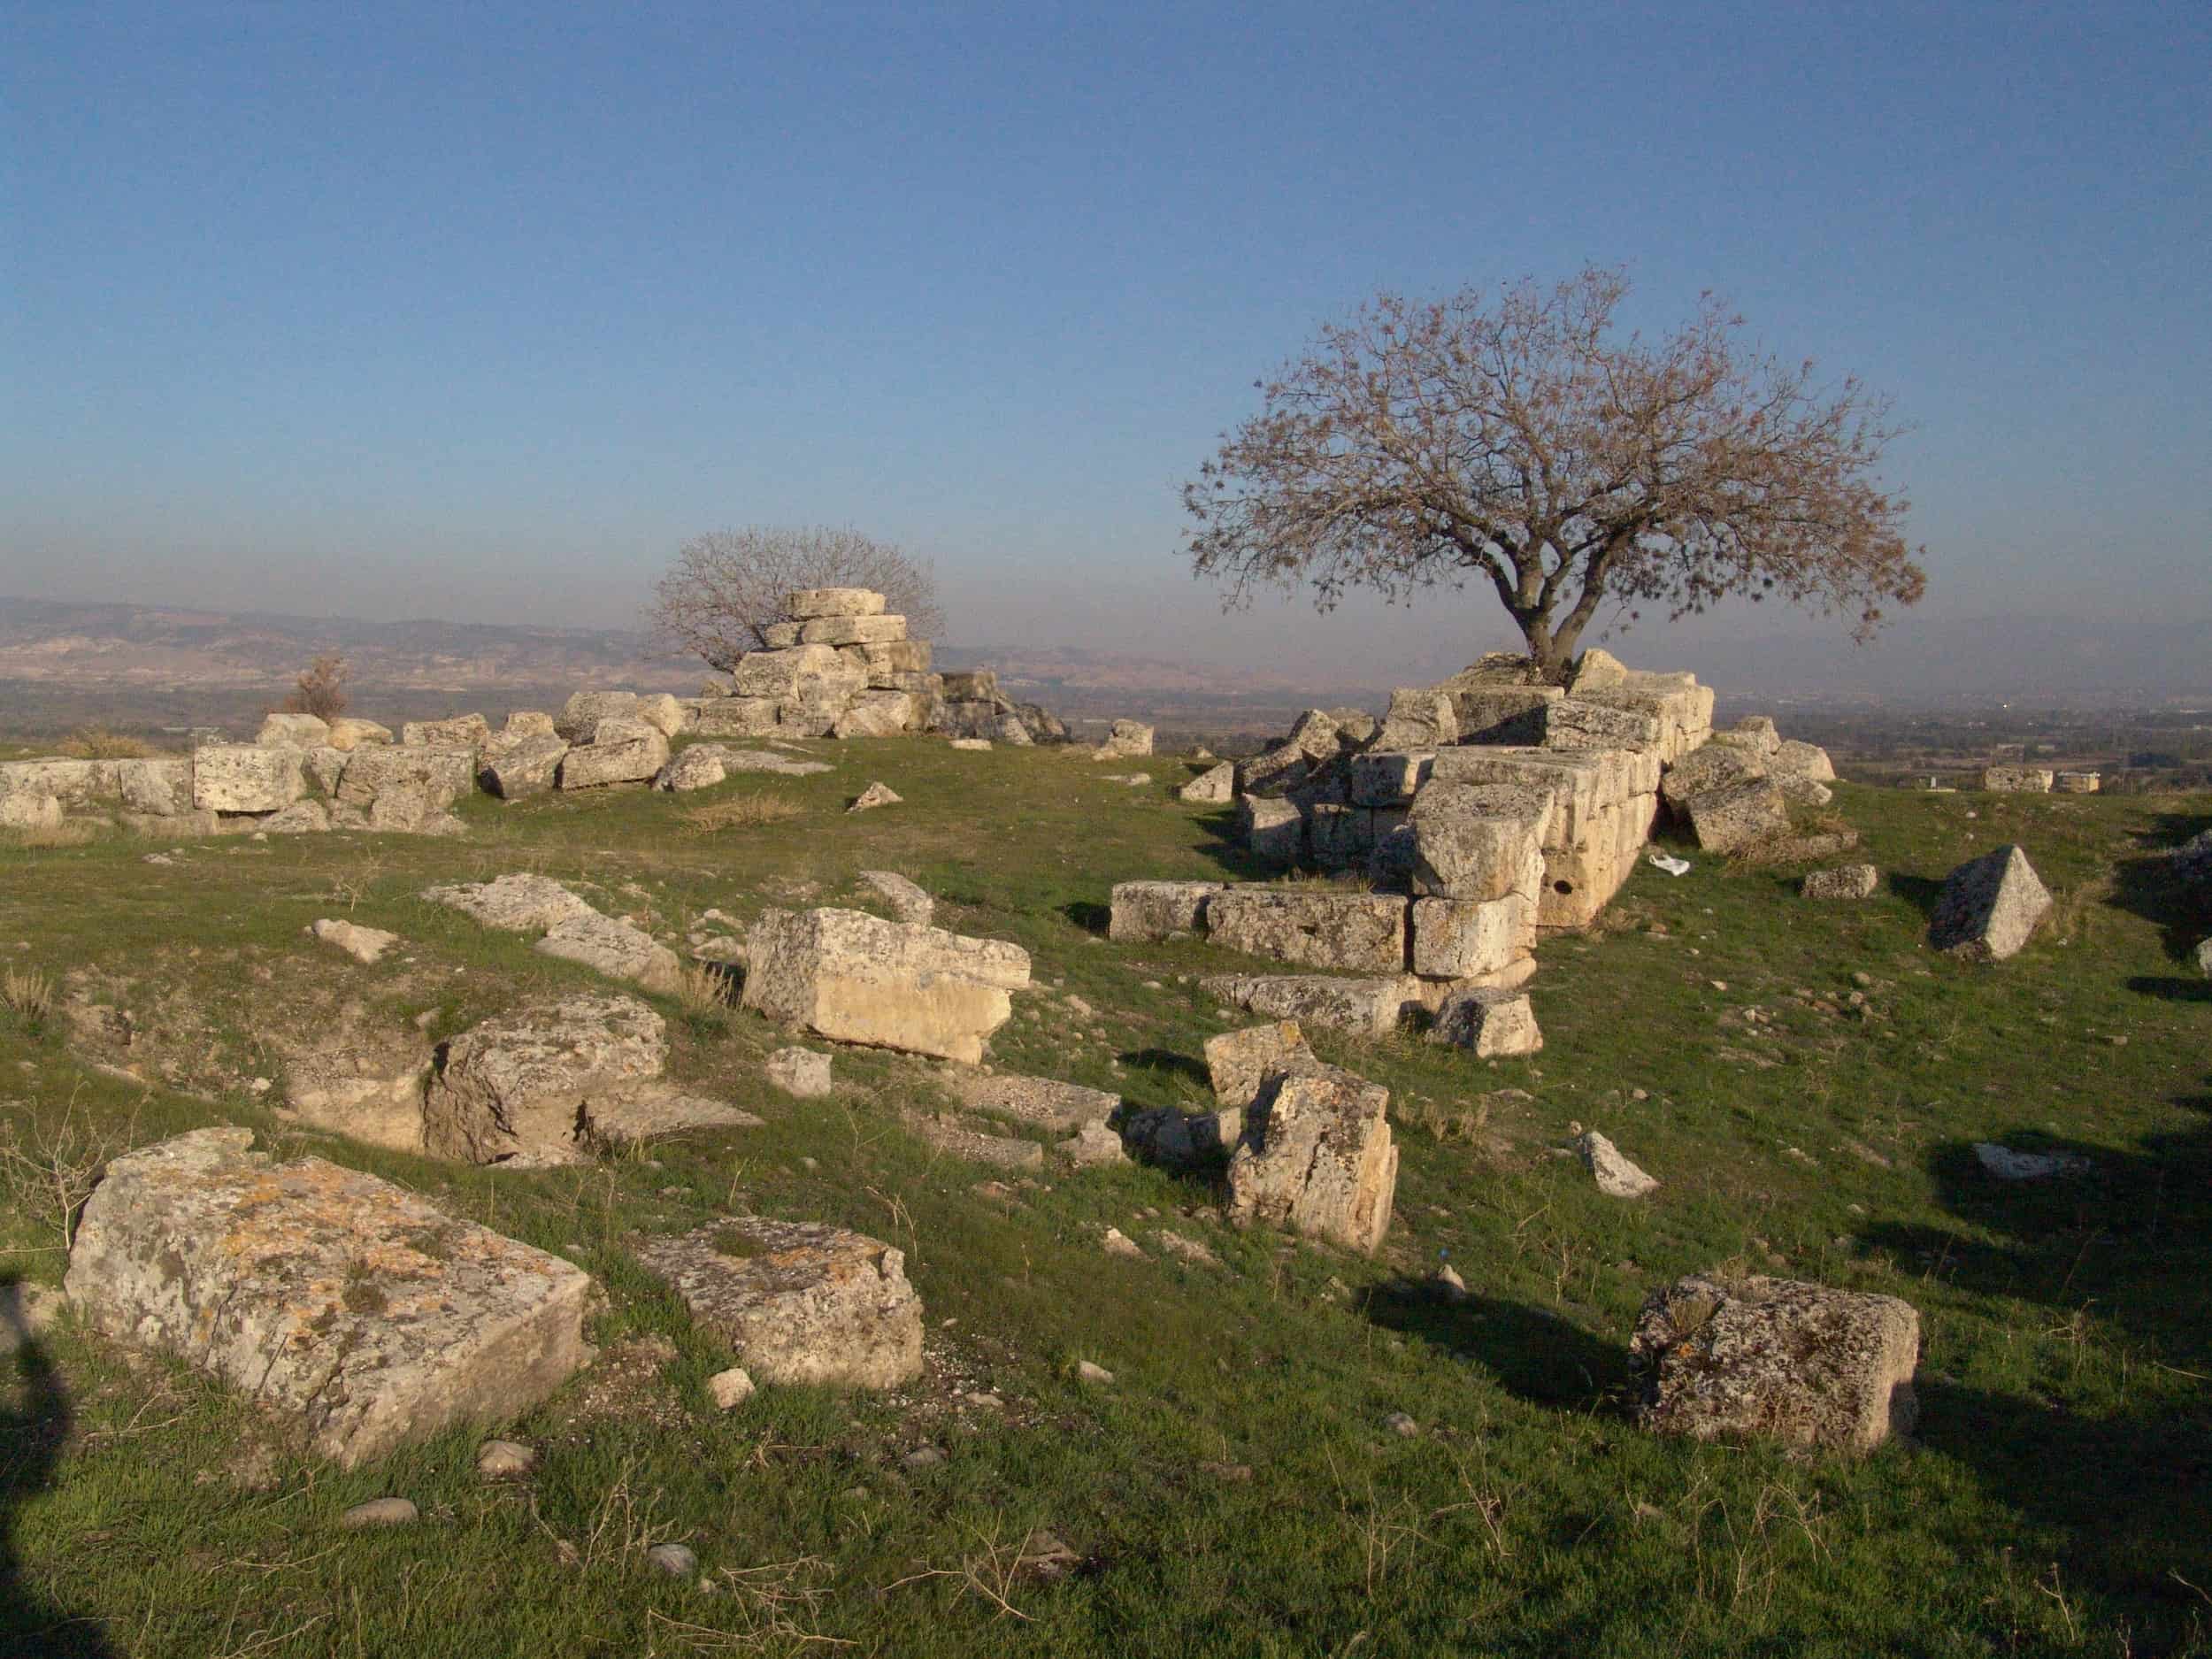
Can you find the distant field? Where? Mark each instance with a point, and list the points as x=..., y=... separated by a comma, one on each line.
x=1236, y=1490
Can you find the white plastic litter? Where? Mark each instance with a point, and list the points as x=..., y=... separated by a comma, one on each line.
x=1672, y=866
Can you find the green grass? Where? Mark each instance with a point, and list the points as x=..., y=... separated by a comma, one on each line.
x=1236, y=1490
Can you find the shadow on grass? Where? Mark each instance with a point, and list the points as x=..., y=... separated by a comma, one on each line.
x=1224, y=845
x=2171, y=988
x=1532, y=1354
x=35, y=1427
x=1923, y=893
x=1167, y=1063
x=2147, y=886
x=1090, y=916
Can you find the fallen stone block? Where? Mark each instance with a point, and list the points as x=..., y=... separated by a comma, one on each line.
x=698, y=767
x=2077, y=782
x=1777, y=1359
x=30, y=812
x=1389, y=777
x=1216, y=785
x=1478, y=841
x=1146, y=911
x=1358, y=932
x=1418, y=717
x=302, y=817
x=1316, y=1155
x=1126, y=738
x=1179, y=1139
x=1728, y=819
x=349, y=732
x=365, y=945
x=1808, y=761
x=1040, y=1102
x=798, y=1302
x=1715, y=766
x=621, y=751
x=526, y=766
x=625, y=1119
x=340, y=1300
x=855, y=978
x=1846, y=881
x=1273, y=829
x=365, y=1083
x=293, y=730
x=907, y=902
x=1240, y=1062
x=1092, y=1147
x=513, y=1088
x=1374, y=1006
x=408, y=788
x=159, y=785
x=1487, y=1020
x=949, y=1135
x=616, y=948
x=874, y=795
x=246, y=778
x=518, y=903
x=876, y=714
x=581, y=715
x=1989, y=907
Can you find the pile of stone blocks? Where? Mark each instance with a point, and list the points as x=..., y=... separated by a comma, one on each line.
x=836, y=666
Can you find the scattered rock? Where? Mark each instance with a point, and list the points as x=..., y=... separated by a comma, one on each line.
x=677, y=1561
x=1118, y=1243
x=923, y=1457
x=1043, y=1102
x=1846, y=881
x=621, y=750
x=1399, y=1423
x=1727, y=820
x=1487, y=1021
x=1777, y=1359
x=1126, y=737
x=379, y=1511
x=1240, y=1061
x=948, y=1134
x=1090, y=1373
x=1617, y=1177
x=1989, y=907
x=294, y=731
x=971, y=742
x=1371, y=1006
x=804, y=1073
x=616, y=949
x=874, y=795
x=1214, y=786
x=338, y=1299
x=731, y=1388
x=505, y=1459
x=365, y=945
x=798, y=1302
x=1186, y=1249
x=908, y=902
x=698, y=767
x=515, y=1088
x=2009, y=1165
x=517, y=903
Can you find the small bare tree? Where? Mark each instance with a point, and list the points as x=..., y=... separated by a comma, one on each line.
x=1521, y=439
x=726, y=587
x=321, y=690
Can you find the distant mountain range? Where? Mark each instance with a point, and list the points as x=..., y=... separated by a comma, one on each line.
x=120, y=647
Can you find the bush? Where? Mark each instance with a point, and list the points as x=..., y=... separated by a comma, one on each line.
x=320, y=689
x=97, y=742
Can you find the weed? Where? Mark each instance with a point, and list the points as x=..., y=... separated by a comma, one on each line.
x=28, y=993
x=750, y=811
x=97, y=742
x=49, y=1172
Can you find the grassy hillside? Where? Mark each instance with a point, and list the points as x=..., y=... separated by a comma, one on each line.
x=1806, y=1080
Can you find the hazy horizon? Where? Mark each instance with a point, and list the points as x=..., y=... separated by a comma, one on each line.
x=476, y=315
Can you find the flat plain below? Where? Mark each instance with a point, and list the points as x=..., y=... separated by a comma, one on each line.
x=1806, y=1080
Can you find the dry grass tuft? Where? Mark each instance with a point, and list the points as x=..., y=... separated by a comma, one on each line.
x=68, y=832
x=49, y=1173
x=28, y=993
x=750, y=811
x=703, y=988
x=97, y=742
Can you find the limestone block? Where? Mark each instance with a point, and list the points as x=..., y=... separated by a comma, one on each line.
x=293, y=730
x=1148, y=910
x=797, y=1301
x=1316, y=1155
x=463, y=731
x=339, y=1300
x=1847, y=881
x=1478, y=840
x=1373, y=1006
x=1216, y=785
x=1125, y=739
x=788, y=674
x=514, y=1089
x=1727, y=819
x=1355, y=931
x=518, y=903
x=1273, y=829
x=348, y=732
x=621, y=751
x=1487, y=1020
x=1777, y=1359
x=1042, y=1103
x=1418, y=717
x=807, y=603
x=1715, y=766
x=855, y=978
x=1571, y=723
x=877, y=630
x=1459, y=939
x=161, y=786
x=1390, y=777
x=1239, y=1063
x=526, y=766
x=1501, y=714
x=616, y=948
x=246, y=778
x=737, y=717
x=876, y=714
x=779, y=636
x=1989, y=907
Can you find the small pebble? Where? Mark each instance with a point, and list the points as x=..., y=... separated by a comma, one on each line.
x=923, y=1457
x=1091, y=1373
x=1399, y=1423
x=677, y=1561
x=380, y=1512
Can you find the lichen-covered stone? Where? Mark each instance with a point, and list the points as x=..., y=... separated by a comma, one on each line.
x=621, y=751
x=283, y=730
x=1777, y=1359
x=520, y=903
x=1238, y=1062
x=513, y=1088
x=526, y=766
x=1043, y=1102
x=617, y=948
x=1487, y=1020
x=246, y=778
x=1216, y=785
x=1358, y=932
x=1845, y=881
x=339, y=1300
x=462, y=731
x=1373, y=1006
x=797, y=1301
x=1727, y=820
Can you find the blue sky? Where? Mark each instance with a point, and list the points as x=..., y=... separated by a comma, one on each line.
x=478, y=311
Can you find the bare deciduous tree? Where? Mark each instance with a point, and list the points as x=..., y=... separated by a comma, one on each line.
x=1524, y=440
x=321, y=690
x=726, y=587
